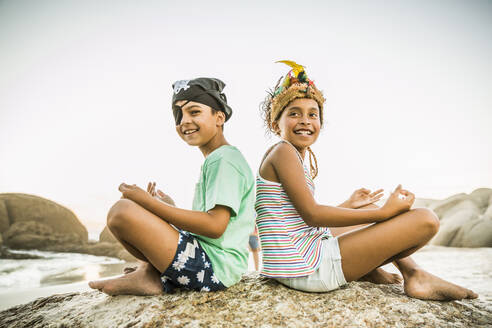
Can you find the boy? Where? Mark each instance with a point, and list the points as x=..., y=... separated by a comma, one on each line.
x=209, y=251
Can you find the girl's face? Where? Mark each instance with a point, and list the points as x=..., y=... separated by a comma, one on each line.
x=198, y=125
x=299, y=123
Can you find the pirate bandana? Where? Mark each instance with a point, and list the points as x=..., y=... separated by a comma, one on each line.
x=204, y=90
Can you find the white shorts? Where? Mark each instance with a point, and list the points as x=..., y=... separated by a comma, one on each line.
x=328, y=276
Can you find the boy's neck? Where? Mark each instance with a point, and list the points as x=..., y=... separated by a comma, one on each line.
x=217, y=141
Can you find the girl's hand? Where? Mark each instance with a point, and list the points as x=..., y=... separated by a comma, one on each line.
x=133, y=192
x=159, y=194
x=362, y=197
x=398, y=202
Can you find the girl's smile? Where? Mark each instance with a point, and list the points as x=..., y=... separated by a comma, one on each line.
x=299, y=123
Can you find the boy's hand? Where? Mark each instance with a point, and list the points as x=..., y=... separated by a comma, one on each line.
x=133, y=192
x=151, y=189
x=362, y=197
x=159, y=194
x=398, y=202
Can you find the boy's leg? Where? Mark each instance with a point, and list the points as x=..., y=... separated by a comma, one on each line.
x=146, y=235
x=256, y=259
x=395, y=239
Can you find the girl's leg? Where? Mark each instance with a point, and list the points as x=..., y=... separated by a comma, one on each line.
x=150, y=239
x=395, y=239
x=378, y=275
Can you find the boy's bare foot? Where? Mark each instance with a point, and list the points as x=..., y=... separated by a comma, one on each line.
x=379, y=276
x=143, y=281
x=423, y=285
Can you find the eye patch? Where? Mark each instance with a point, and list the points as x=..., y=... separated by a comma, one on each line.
x=178, y=112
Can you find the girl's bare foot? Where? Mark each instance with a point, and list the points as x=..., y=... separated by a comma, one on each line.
x=379, y=276
x=423, y=285
x=143, y=281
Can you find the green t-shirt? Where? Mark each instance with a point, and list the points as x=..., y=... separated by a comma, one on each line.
x=226, y=179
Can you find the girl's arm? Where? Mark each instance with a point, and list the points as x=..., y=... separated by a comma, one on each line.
x=290, y=174
x=210, y=224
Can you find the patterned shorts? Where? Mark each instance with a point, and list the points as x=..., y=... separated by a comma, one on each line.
x=191, y=268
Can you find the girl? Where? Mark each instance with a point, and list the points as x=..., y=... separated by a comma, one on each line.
x=299, y=248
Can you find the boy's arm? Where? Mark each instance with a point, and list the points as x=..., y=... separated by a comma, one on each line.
x=210, y=224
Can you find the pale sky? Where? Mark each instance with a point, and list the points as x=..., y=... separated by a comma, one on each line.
x=85, y=92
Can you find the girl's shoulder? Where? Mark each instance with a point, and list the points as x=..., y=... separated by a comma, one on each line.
x=282, y=151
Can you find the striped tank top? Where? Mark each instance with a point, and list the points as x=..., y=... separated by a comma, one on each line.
x=290, y=248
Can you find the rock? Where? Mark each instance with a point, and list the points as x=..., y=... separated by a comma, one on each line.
x=7, y=254
x=477, y=233
x=440, y=207
x=422, y=202
x=466, y=220
x=4, y=217
x=254, y=302
x=482, y=196
x=28, y=227
x=16, y=208
x=124, y=255
x=107, y=236
x=35, y=235
x=450, y=227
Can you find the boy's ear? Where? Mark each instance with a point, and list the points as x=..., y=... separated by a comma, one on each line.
x=220, y=115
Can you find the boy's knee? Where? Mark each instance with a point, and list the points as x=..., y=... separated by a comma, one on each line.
x=428, y=219
x=117, y=213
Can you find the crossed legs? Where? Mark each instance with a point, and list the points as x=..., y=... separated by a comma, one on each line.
x=146, y=236
x=394, y=240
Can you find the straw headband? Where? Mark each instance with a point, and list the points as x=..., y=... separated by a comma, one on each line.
x=294, y=85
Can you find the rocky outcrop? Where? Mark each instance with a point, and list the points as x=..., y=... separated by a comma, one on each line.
x=31, y=222
x=466, y=220
x=28, y=222
x=254, y=302
x=107, y=236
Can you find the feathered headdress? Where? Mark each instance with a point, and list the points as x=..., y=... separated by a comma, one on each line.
x=294, y=85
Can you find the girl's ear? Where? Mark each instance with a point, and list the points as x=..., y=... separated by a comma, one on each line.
x=275, y=128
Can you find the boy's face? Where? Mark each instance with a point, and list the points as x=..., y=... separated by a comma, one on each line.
x=299, y=122
x=198, y=124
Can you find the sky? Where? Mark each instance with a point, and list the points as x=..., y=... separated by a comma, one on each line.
x=85, y=93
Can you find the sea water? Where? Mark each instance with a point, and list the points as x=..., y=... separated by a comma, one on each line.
x=55, y=269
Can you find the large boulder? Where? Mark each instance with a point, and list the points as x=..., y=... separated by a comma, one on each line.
x=482, y=196
x=253, y=302
x=440, y=207
x=18, y=208
x=466, y=220
x=450, y=227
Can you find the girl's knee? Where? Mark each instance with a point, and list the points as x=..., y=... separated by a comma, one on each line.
x=428, y=220
x=118, y=213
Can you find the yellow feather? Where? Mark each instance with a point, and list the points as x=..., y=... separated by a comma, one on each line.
x=296, y=68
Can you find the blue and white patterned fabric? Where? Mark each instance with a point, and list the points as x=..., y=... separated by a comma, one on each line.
x=191, y=268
